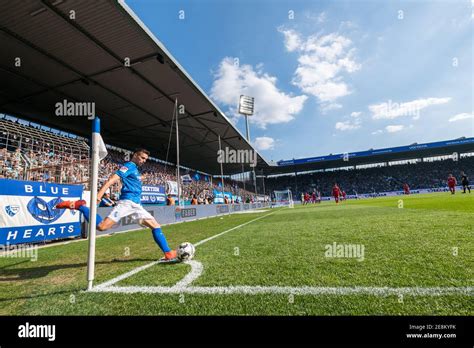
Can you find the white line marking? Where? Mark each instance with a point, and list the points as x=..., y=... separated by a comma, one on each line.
x=141, y=268
x=196, y=271
x=304, y=290
x=125, y=275
x=251, y=211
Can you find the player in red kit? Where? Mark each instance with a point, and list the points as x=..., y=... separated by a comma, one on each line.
x=343, y=195
x=406, y=189
x=306, y=198
x=313, y=197
x=452, y=184
x=335, y=192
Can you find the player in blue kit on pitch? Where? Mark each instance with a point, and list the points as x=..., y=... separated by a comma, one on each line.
x=128, y=204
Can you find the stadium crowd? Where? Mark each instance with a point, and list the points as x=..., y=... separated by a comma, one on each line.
x=27, y=154
x=422, y=175
x=157, y=173
x=38, y=155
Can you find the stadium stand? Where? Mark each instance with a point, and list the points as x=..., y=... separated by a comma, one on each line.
x=29, y=151
x=422, y=175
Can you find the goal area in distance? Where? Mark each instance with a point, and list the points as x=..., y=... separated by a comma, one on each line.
x=283, y=199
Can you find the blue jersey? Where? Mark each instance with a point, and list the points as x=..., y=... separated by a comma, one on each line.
x=131, y=182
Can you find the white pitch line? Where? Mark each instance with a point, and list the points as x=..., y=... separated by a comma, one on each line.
x=196, y=271
x=125, y=275
x=287, y=290
x=141, y=268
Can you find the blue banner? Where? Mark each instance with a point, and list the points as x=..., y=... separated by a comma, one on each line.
x=28, y=212
x=153, y=194
x=218, y=196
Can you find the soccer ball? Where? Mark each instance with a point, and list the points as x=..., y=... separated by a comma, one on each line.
x=186, y=251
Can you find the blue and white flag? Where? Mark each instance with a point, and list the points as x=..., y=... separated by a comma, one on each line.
x=102, y=149
x=186, y=179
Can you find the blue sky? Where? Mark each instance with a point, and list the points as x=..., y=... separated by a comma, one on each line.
x=327, y=76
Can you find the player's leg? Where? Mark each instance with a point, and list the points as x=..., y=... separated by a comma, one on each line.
x=106, y=224
x=146, y=219
x=81, y=206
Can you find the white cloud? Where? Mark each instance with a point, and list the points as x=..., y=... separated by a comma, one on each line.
x=394, y=128
x=292, y=39
x=331, y=106
x=379, y=131
x=347, y=125
x=463, y=116
x=391, y=110
x=322, y=17
x=322, y=61
x=272, y=106
x=264, y=143
x=356, y=114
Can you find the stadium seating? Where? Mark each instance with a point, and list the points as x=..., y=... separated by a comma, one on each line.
x=29, y=152
x=423, y=175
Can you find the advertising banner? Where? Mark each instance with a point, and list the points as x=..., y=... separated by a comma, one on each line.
x=153, y=194
x=28, y=212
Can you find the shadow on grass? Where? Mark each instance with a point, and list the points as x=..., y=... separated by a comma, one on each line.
x=46, y=294
x=19, y=274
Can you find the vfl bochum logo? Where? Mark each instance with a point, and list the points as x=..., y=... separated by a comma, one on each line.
x=45, y=212
x=12, y=210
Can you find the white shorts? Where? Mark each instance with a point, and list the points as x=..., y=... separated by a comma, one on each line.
x=125, y=208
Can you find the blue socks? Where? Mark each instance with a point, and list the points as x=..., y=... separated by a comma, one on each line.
x=160, y=239
x=86, y=212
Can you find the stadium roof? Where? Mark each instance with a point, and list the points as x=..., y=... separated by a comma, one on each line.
x=82, y=59
x=439, y=148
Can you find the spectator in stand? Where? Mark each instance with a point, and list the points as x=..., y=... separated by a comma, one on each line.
x=170, y=200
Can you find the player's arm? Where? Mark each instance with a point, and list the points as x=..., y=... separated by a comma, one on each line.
x=113, y=179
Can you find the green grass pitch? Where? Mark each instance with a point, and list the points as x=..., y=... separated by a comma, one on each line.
x=421, y=242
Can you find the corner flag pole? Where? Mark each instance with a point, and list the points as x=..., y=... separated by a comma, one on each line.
x=96, y=140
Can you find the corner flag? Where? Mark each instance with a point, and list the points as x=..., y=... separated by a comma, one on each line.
x=99, y=151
